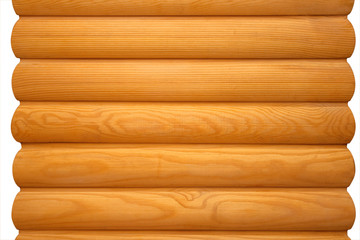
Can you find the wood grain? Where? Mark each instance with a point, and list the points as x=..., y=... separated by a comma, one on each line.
x=280, y=123
x=136, y=165
x=183, y=37
x=184, y=209
x=191, y=119
x=183, y=80
x=184, y=7
x=178, y=235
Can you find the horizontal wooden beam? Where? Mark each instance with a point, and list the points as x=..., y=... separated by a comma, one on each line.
x=179, y=235
x=183, y=37
x=189, y=165
x=184, y=209
x=183, y=80
x=276, y=123
x=183, y=7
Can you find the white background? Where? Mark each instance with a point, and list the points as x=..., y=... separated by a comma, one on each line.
x=8, y=104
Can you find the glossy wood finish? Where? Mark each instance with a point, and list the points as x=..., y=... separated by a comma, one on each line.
x=183, y=7
x=184, y=209
x=183, y=80
x=179, y=235
x=190, y=119
x=276, y=123
x=183, y=37
x=151, y=165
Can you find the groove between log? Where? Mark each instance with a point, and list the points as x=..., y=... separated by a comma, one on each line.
x=185, y=165
x=183, y=80
x=179, y=235
x=183, y=37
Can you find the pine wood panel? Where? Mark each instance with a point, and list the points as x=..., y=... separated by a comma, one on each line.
x=178, y=235
x=136, y=165
x=288, y=123
x=183, y=7
x=175, y=116
x=183, y=80
x=184, y=209
x=183, y=37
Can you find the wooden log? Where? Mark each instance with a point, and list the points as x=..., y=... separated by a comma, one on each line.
x=179, y=235
x=136, y=165
x=184, y=209
x=183, y=37
x=138, y=122
x=184, y=7
x=183, y=80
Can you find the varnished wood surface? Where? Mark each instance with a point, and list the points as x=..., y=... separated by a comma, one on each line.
x=189, y=165
x=139, y=122
x=183, y=7
x=183, y=37
x=184, y=209
x=179, y=235
x=139, y=117
x=183, y=80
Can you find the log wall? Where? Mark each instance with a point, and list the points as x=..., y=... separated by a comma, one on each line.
x=164, y=119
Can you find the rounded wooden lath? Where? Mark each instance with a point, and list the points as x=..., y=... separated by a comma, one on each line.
x=168, y=119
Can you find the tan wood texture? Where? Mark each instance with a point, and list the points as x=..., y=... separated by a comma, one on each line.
x=280, y=123
x=183, y=119
x=184, y=209
x=179, y=235
x=183, y=37
x=183, y=80
x=158, y=165
x=183, y=7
